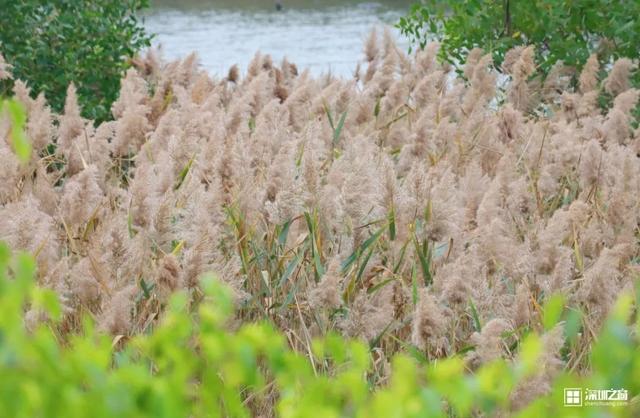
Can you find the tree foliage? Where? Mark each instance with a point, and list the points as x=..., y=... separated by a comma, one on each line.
x=52, y=43
x=566, y=30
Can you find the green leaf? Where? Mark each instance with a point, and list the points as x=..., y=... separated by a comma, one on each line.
x=284, y=233
x=146, y=288
x=18, y=117
x=403, y=251
x=183, y=173
x=477, y=325
x=424, y=255
x=552, y=311
x=361, y=250
x=380, y=285
x=288, y=270
x=392, y=224
x=338, y=130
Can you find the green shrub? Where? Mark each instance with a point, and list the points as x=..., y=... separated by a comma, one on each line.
x=566, y=30
x=192, y=364
x=51, y=44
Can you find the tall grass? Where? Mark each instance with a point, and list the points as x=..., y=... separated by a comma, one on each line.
x=417, y=210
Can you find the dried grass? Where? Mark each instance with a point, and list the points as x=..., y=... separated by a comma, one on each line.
x=406, y=206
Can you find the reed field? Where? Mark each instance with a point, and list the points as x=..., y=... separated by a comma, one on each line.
x=420, y=211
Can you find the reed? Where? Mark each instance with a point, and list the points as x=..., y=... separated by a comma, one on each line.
x=416, y=209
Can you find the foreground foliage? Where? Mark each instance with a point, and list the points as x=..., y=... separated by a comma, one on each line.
x=51, y=44
x=421, y=213
x=194, y=365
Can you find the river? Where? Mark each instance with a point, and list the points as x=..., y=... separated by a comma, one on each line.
x=322, y=35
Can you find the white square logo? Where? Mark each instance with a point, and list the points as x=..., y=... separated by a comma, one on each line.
x=572, y=397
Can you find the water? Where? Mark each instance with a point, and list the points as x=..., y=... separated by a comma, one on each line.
x=322, y=35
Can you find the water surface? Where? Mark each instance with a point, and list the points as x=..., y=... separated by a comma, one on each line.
x=323, y=36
